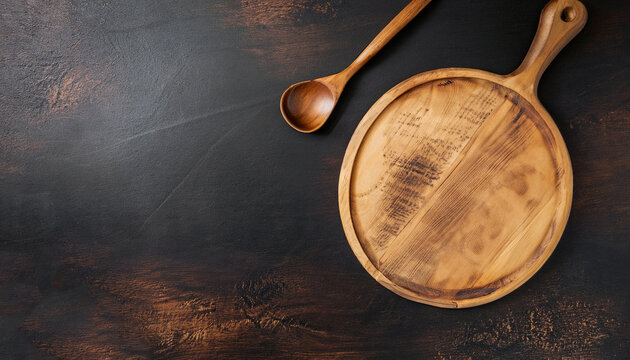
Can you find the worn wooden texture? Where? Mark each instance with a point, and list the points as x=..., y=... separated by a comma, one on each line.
x=454, y=189
x=457, y=185
x=154, y=204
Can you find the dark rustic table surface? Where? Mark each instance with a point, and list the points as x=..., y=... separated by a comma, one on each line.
x=154, y=204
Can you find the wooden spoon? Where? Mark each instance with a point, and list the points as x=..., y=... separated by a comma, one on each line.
x=307, y=105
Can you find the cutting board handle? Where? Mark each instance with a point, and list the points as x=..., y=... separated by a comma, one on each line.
x=560, y=21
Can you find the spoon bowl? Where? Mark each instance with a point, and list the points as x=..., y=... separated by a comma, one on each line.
x=307, y=105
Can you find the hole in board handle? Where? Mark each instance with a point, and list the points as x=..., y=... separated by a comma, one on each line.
x=568, y=14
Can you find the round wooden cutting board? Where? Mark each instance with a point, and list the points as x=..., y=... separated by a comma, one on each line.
x=457, y=185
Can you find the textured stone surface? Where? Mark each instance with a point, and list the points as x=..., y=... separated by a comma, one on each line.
x=154, y=204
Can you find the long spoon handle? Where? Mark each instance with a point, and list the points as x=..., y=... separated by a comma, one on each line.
x=400, y=21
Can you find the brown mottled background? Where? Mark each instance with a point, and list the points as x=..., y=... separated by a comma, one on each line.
x=154, y=204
